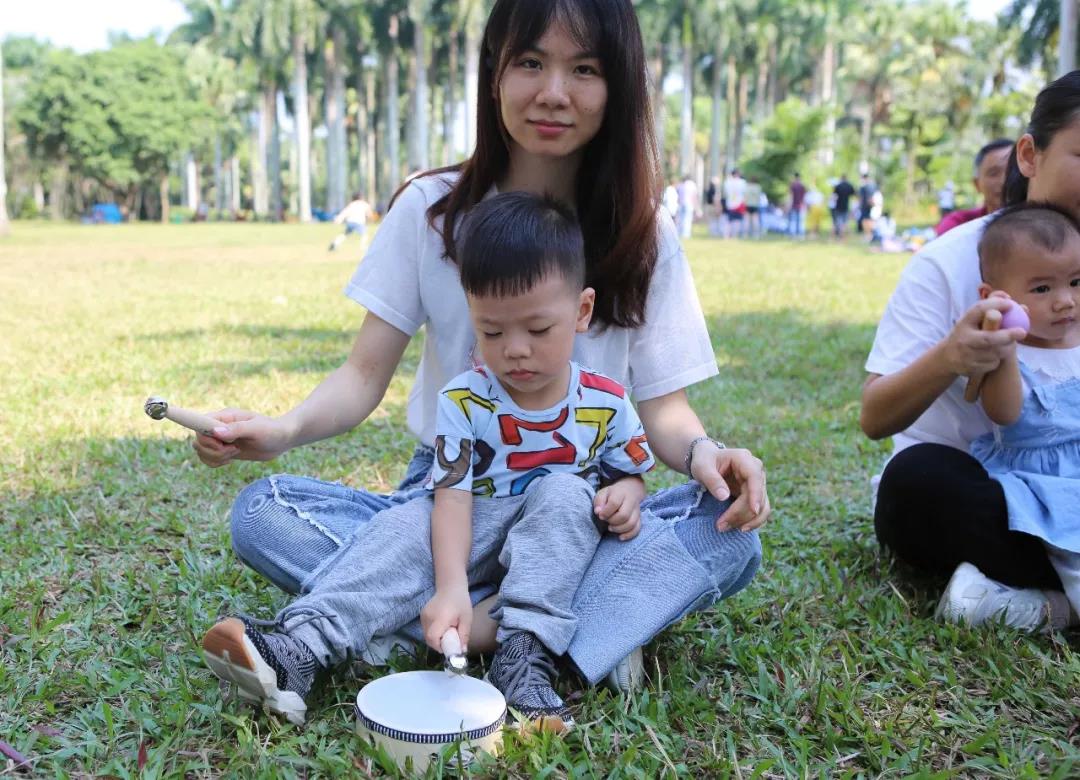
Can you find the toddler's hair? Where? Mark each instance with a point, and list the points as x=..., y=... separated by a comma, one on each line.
x=511, y=241
x=1047, y=226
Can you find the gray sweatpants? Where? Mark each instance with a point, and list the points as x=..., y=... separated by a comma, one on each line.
x=537, y=545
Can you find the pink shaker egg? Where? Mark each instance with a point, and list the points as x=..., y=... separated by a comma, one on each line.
x=1016, y=317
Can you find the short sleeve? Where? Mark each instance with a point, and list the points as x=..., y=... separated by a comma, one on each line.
x=671, y=350
x=455, y=438
x=627, y=450
x=387, y=281
x=916, y=318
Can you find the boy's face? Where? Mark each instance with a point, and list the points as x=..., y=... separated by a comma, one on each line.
x=1048, y=284
x=527, y=339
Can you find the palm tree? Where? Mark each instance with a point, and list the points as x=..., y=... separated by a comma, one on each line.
x=418, y=116
x=1067, y=40
x=303, y=22
x=4, y=222
x=1043, y=21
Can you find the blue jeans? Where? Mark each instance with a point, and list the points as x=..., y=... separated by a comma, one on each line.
x=294, y=530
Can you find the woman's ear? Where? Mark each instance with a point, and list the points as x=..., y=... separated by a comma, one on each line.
x=1026, y=155
x=586, y=301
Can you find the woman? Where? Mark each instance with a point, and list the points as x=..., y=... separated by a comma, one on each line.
x=937, y=508
x=563, y=109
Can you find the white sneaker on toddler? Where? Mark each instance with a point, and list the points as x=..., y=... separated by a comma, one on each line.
x=973, y=598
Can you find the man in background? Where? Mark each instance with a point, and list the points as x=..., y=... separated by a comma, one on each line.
x=990, y=165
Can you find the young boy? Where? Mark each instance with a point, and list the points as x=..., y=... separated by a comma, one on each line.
x=523, y=443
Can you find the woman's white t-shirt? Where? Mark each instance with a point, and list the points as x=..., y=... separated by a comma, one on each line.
x=405, y=280
x=935, y=290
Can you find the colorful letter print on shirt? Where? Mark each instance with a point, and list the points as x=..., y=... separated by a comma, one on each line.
x=487, y=444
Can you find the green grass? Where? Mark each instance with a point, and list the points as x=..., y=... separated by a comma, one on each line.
x=114, y=556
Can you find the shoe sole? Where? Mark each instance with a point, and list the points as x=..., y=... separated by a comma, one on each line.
x=232, y=657
x=525, y=724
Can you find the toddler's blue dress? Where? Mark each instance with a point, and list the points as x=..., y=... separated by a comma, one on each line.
x=1037, y=462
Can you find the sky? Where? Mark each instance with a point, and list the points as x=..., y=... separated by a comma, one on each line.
x=84, y=25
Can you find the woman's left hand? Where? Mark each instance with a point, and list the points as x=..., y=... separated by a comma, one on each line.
x=736, y=474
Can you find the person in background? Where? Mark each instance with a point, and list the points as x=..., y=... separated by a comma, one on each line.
x=841, y=207
x=735, y=202
x=354, y=217
x=946, y=200
x=866, y=203
x=797, y=190
x=688, y=205
x=815, y=211
x=753, y=207
x=671, y=198
x=713, y=207
x=990, y=165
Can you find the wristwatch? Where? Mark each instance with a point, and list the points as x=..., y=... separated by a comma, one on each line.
x=690, y=450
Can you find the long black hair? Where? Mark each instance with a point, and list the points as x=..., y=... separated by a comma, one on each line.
x=1056, y=108
x=618, y=184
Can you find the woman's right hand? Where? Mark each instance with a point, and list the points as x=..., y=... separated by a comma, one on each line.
x=969, y=350
x=243, y=435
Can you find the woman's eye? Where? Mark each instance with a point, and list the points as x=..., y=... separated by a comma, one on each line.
x=588, y=70
x=529, y=62
x=540, y=331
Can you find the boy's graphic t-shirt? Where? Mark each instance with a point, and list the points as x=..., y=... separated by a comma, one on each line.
x=487, y=444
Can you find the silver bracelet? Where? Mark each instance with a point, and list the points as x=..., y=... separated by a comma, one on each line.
x=690, y=450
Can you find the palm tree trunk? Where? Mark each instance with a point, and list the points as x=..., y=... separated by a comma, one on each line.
x=1067, y=37
x=717, y=103
x=370, y=128
x=450, y=152
x=686, y=118
x=393, y=127
x=472, y=65
x=219, y=179
x=418, y=122
x=302, y=120
x=828, y=72
x=659, y=73
x=234, y=188
x=163, y=196
x=5, y=225
x=260, y=176
x=732, y=104
x=337, y=157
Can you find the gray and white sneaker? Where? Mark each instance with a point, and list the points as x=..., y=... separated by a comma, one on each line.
x=628, y=674
x=523, y=671
x=274, y=669
x=973, y=598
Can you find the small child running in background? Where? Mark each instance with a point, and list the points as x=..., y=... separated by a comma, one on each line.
x=354, y=217
x=535, y=457
x=1030, y=253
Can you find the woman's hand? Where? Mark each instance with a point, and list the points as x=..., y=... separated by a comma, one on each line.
x=969, y=350
x=242, y=435
x=737, y=474
x=448, y=608
x=619, y=505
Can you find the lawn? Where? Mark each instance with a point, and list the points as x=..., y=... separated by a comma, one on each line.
x=116, y=558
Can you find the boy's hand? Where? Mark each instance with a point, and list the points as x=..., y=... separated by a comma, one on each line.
x=448, y=608
x=619, y=505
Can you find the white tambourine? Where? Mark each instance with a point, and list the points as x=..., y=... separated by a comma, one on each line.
x=415, y=715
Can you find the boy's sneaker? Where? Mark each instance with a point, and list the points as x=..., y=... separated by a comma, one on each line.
x=523, y=670
x=628, y=674
x=973, y=598
x=274, y=669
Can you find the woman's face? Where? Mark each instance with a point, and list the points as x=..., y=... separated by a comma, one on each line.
x=1054, y=172
x=552, y=97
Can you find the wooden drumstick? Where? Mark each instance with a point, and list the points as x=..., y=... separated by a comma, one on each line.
x=991, y=321
x=159, y=409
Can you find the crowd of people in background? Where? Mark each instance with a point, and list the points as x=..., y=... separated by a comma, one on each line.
x=739, y=207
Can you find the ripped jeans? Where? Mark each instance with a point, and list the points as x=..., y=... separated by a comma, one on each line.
x=294, y=530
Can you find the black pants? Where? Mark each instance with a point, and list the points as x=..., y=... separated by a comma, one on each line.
x=937, y=507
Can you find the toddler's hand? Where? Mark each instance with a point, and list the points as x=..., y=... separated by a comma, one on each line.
x=448, y=608
x=619, y=505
